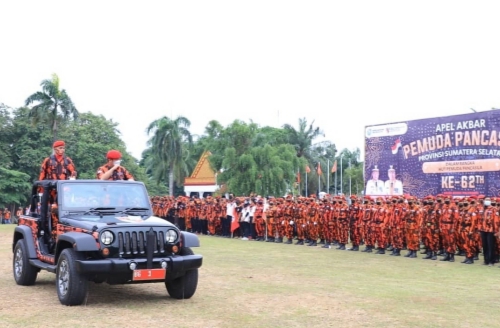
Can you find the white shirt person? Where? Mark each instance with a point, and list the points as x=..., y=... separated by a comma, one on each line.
x=393, y=186
x=374, y=186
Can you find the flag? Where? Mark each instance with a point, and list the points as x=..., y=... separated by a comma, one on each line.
x=308, y=170
x=319, y=169
x=396, y=146
x=234, y=223
x=334, y=167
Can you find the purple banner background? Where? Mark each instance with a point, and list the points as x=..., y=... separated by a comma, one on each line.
x=382, y=151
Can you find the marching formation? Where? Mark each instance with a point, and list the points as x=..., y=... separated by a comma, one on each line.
x=444, y=226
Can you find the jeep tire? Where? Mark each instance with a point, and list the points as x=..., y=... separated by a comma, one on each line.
x=183, y=287
x=71, y=286
x=24, y=273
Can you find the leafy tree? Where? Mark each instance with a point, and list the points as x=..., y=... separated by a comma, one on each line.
x=30, y=144
x=14, y=187
x=303, y=137
x=168, y=150
x=6, y=137
x=52, y=105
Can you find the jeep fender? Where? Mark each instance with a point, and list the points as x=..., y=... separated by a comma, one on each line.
x=81, y=242
x=25, y=232
x=189, y=239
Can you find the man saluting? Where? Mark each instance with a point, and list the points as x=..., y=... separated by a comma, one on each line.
x=112, y=170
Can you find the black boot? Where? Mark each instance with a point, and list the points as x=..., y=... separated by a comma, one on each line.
x=321, y=242
x=313, y=243
x=441, y=252
x=341, y=247
x=300, y=242
x=368, y=249
x=452, y=257
x=279, y=240
x=428, y=256
x=270, y=240
x=413, y=255
x=326, y=245
x=390, y=248
x=476, y=257
x=446, y=258
x=288, y=242
x=380, y=251
x=461, y=253
x=434, y=256
x=468, y=260
x=409, y=254
x=397, y=252
x=354, y=248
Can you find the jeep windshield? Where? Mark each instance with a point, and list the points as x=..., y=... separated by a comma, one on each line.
x=104, y=198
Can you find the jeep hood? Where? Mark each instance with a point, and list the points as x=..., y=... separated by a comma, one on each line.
x=92, y=222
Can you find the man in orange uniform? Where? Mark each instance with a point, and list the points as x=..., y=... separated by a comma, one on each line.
x=57, y=166
x=112, y=170
x=448, y=218
x=413, y=221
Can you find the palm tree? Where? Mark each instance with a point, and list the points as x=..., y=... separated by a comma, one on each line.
x=168, y=147
x=53, y=105
x=303, y=137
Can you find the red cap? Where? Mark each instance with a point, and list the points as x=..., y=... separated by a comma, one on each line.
x=58, y=143
x=113, y=154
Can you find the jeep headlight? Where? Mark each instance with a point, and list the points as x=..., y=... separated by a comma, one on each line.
x=171, y=236
x=107, y=238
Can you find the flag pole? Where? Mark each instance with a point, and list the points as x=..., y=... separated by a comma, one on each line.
x=319, y=178
x=306, y=185
x=328, y=177
x=336, y=182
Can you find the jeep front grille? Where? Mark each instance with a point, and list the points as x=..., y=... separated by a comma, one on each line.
x=135, y=243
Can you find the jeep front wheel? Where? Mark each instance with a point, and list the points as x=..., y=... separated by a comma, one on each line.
x=71, y=286
x=183, y=287
x=24, y=273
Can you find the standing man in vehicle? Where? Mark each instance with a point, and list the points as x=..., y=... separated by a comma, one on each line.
x=57, y=166
x=112, y=170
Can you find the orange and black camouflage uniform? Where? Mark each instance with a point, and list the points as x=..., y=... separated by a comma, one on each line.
x=413, y=220
x=56, y=168
x=355, y=223
x=431, y=235
x=398, y=227
x=120, y=173
x=448, y=218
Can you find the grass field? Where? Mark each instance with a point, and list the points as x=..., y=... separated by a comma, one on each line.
x=258, y=284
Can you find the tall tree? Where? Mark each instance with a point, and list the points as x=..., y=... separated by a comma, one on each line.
x=6, y=136
x=52, y=105
x=168, y=147
x=303, y=137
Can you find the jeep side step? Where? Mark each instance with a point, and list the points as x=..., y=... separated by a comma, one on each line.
x=43, y=265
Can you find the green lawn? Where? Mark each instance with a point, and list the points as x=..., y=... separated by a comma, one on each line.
x=258, y=284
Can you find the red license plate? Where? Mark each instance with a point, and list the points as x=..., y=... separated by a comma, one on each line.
x=149, y=274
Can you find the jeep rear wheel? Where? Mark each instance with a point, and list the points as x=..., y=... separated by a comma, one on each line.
x=24, y=273
x=71, y=286
x=183, y=287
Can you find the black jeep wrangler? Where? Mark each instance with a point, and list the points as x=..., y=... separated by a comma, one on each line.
x=101, y=231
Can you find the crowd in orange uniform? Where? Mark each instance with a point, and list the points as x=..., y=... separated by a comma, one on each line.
x=440, y=225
